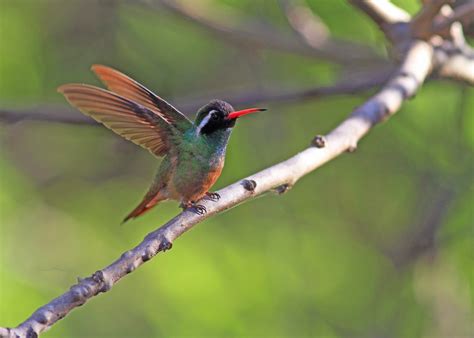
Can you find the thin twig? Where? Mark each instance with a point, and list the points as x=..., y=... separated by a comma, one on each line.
x=423, y=23
x=463, y=14
x=453, y=58
x=458, y=66
x=46, y=113
x=393, y=21
x=305, y=22
x=382, y=12
x=313, y=32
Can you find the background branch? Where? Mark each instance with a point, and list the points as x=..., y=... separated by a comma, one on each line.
x=230, y=24
x=451, y=60
x=305, y=22
x=61, y=114
x=313, y=32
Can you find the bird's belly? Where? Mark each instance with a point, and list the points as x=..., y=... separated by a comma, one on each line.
x=194, y=177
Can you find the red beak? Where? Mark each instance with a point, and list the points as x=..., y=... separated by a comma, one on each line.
x=243, y=112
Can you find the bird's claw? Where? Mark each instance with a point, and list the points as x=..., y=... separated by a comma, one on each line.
x=213, y=196
x=200, y=209
x=197, y=208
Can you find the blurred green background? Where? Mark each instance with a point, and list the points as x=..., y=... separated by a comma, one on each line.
x=378, y=243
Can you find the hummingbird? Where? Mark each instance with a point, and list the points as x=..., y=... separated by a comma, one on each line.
x=193, y=152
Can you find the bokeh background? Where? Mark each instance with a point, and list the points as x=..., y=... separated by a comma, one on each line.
x=378, y=243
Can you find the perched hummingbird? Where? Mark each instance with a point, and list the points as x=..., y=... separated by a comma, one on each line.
x=193, y=153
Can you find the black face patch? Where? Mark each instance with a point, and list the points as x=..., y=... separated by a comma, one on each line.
x=214, y=117
x=216, y=120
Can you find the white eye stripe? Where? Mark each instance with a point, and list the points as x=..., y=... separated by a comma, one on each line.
x=205, y=120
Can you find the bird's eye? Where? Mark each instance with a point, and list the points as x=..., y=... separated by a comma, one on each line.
x=214, y=116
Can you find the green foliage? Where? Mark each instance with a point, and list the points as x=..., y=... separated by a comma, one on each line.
x=330, y=258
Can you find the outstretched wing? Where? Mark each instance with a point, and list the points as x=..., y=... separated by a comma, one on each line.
x=127, y=87
x=135, y=122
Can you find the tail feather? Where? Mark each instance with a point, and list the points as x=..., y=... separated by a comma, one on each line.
x=148, y=202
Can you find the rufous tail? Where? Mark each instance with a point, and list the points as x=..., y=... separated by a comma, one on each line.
x=149, y=201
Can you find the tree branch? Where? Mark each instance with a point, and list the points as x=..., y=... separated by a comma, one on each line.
x=458, y=65
x=393, y=21
x=402, y=86
x=423, y=23
x=461, y=65
x=46, y=113
x=382, y=12
x=453, y=58
x=463, y=14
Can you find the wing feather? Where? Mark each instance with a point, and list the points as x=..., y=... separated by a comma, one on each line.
x=142, y=125
x=127, y=87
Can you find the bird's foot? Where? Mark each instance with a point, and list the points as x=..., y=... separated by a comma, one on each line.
x=213, y=196
x=198, y=208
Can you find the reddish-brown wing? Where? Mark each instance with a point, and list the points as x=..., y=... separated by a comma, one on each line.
x=131, y=120
x=127, y=87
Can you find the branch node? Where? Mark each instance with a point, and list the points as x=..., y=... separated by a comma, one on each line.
x=149, y=253
x=5, y=332
x=99, y=278
x=165, y=244
x=404, y=74
x=127, y=254
x=319, y=141
x=281, y=189
x=249, y=185
x=79, y=292
x=352, y=148
x=410, y=76
x=132, y=267
x=386, y=110
x=31, y=333
x=44, y=317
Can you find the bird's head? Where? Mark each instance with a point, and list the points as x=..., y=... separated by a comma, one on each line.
x=219, y=115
